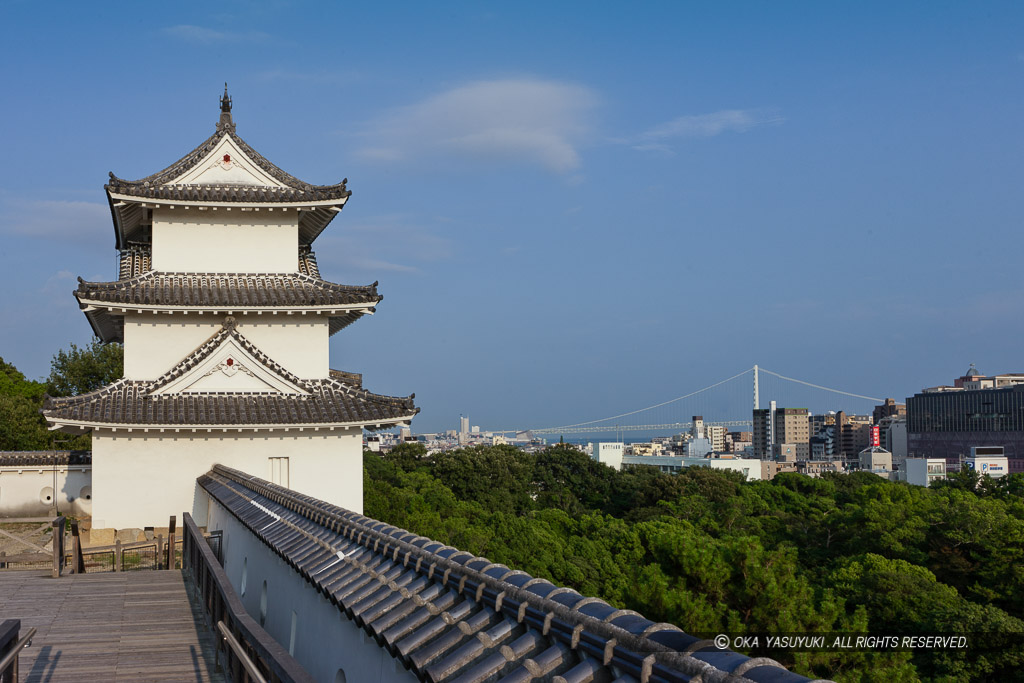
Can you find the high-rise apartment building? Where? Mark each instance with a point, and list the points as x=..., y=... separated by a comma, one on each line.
x=773, y=426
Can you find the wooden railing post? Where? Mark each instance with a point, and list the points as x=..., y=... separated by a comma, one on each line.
x=117, y=555
x=170, y=543
x=58, y=546
x=77, y=561
x=159, y=551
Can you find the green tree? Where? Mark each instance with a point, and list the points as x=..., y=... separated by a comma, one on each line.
x=81, y=370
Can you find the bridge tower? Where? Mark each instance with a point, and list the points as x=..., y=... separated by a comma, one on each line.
x=757, y=398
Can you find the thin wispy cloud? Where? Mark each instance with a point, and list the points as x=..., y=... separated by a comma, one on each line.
x=87, y=222
x=660, y=137
x=382, y=244
x=208, y=36
x=527, y=120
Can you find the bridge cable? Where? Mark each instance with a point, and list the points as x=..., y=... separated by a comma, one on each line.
x=817, y=386
x=664, y=403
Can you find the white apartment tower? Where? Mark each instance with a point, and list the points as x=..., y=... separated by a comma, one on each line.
x=225, y=322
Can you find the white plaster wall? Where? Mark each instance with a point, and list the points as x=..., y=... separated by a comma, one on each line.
x=23, y=490
x=153, y=344
x=225, y=240
x=141, y=479
x=325, y=640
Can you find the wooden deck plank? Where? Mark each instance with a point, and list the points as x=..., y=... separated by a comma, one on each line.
x=130, y=626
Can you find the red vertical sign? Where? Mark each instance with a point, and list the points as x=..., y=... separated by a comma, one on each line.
x=875, y=440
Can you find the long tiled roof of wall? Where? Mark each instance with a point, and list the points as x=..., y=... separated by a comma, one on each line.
x=45, y=458
x=449, y=616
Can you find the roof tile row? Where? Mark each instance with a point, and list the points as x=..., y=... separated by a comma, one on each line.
x=228, y=290
x=452, y=617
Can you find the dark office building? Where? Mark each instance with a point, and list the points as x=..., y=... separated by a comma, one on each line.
x=947, y=424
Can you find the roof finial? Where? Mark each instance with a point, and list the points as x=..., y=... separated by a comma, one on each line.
x=225, y=111
x=225, y=100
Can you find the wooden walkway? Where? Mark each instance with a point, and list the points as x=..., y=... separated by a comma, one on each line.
x=129, y=626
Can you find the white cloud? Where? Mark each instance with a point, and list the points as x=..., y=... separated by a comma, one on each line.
x=87, y=222
x=208, y=36
x=527, y=120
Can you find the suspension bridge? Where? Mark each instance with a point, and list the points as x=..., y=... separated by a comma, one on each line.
x=728, y=403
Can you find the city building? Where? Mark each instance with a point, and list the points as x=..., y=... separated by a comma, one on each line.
x=225, y=322
x=948, y=424
x=774, y=425
x=875, y=459
x=672, y=464
x=716, y=435
x=852, y=434
x=890, y=408
x=610, y=453
x=988, y=460
x=922, y=471
x=822, y=444
x=893, y=431
x=820, y=422
x=738, y=442
x=816, y=468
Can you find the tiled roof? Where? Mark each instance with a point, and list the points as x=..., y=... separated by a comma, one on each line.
x=452, y=617
x=307, y=262
x=226, y=290
x=44, y=458
x=227, y=193
x=221, y=292
x=353, y=378
x=156, y=185
x=329, y=401
x=131, y=221
x=135, y=259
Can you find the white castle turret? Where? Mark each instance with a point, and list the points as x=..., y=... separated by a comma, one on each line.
x=225, y=322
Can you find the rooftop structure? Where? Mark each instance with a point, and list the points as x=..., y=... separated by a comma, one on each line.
x=225, y=321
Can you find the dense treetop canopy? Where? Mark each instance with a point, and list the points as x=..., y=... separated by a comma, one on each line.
x=709, y=552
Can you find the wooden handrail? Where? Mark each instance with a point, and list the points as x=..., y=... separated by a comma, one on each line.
x=9, y=664
x=233, y=643
x=221, y=603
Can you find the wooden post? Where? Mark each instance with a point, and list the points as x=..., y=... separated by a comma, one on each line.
x=159, y=551
x=170, y=542
x=58, y=546
x=77, y=561
x=117, y=555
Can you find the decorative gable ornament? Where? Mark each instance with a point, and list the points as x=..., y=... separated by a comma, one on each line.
x=226, y=163
x=228, y=362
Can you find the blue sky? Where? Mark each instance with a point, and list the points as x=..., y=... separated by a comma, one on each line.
x=573, y=209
